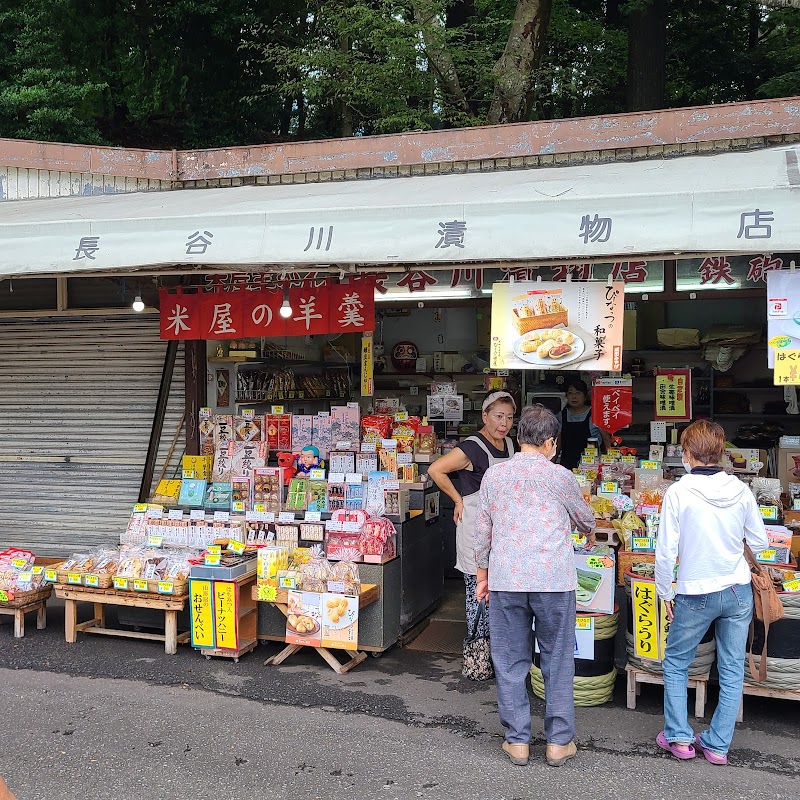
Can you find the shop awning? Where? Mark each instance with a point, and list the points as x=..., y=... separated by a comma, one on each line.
x=746, y=202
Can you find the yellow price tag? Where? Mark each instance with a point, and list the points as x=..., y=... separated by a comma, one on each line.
x=768, y=512
x=140, y=508
x=267, y=593
x=91, y=580
x=650, y=465
x=51, y=575
x=74, y=578
x=19, y=563
x=236, y=547
x=768, y=556
x=37, y=569
x=610, y=487
x=212, y=560
x=214, y=548
x=237, y=506
x=3, y=596
x=140, y=585
x=120, y=583
x=792, y=586
x=166, y=587
x=786, y=367
x=583, y=623
x=260, y=508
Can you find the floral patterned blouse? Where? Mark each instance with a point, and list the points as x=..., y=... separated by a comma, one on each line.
x=528, y=506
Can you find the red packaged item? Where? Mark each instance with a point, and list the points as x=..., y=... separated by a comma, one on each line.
x=375, y=427
x=405, y=433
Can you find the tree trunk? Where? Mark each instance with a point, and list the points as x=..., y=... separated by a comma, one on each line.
x=514, y=71
x=439, y=56
x=647, y=53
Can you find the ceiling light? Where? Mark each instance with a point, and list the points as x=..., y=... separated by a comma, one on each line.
x=286, y=306
x=138, y=304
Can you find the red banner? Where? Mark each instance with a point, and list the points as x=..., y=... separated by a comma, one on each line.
x=330, y=309
x=612, y=404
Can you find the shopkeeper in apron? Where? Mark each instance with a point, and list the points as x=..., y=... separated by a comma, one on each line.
x=469, y=460
x=577, y=426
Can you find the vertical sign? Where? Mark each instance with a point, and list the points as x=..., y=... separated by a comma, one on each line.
x=367, y=362
x=674, y=395
x=612, y=403
x=646, y=643
x=201, y=607
x=226, y=615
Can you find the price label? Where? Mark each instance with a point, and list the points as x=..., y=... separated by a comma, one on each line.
x=401, y=416
x=249, y=414
x=578, y=539
x=768, y=556
x=154, y=540
x=236, y=547
x=19, y=563
x=74, y=578
x=237, y=506
x=343, y=445
x=37, y=569
x=587, y=459
x=369, y=447
x=286, y=516
x=313, y=516
x=405, y=458
x=212, y=559
x=25, y=577
x=650, y=465
x=175, y=513
x=391, y=486
x=267, y=593
x=3, y=596
x=643, y=543
x=336, y=587
x=336, y=477
x=353, y=477
x=768, y=512
x=269, y=516
x=222, y=516
x=792, y=586
x=139, y=585
x=277, y=409
x=260, y=508
x=609, y=487
x=166, y=587
x=583, y=623
x=92, y=581
x=351, y=527
x=140, y=508
x=214, y=548
x=197, y=513
x=317, y=474
x=607, y=459
x=120, y=583
x=154, y=513
x=628, y=459
x=389, y=444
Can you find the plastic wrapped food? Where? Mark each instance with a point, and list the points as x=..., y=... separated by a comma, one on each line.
x=346, y=572
x=628, y=527
x=426, y=440
x=374, y=535
x=603, y=508
x=316, y=574
x=375, y=427
x=404, y=433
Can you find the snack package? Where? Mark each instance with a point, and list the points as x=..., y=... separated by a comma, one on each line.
x=317, y=496
x=316, y=574
x=375, y=533
x=297, y=498
x=337, y=493
x=218, y=497
x=375, y=427
x=346, y=573
x=628, y=527
x=405, y=433
x=426, y=440
x=241, y=494
x=268, y=488
x=767, y=491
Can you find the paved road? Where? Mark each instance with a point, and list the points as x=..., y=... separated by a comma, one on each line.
x=119, y=719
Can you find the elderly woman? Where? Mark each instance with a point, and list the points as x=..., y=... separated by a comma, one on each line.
x=706, y=517
x=523, y=550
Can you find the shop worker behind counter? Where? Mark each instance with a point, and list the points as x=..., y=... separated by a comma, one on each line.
x=577, y=426
x=469, y=460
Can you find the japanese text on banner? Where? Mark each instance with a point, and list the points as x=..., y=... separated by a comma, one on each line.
x=646, y=639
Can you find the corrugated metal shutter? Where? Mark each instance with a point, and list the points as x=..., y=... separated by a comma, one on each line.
x=77, y=398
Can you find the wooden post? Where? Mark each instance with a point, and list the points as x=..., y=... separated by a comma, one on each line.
x=196, y=391
x=170, y=632
x=19, y=623
x=41, y=616
x=70, y=620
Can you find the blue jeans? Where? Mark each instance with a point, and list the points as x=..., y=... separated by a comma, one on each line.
x=511, y=616
x=730, y=610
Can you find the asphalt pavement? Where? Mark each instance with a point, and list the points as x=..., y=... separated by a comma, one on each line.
x=118, y=718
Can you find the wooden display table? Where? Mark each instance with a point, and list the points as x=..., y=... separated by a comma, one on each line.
x=246, y=620
x=636, y=677
x=34, y=601
x=757, y=690
x=100, y=598
x=370, y=593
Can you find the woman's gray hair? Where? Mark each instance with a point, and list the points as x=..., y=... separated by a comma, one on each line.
x=537, y=424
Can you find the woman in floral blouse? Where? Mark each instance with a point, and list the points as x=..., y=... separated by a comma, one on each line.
x=526, y=566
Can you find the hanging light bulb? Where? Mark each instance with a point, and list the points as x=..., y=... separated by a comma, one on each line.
x=138, y=304
x=286, y=307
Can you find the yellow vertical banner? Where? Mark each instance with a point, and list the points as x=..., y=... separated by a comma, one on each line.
x=201, y=608
x=367, y=383
x=225, y=615
x=664, y=628
x=645, y=620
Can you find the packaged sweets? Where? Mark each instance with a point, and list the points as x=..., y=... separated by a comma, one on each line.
x=426, y=440
x=268, y=488
x=375, y=427
x=346, y=573
x=405, y=433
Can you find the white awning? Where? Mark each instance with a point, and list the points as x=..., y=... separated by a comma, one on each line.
x=747, y=202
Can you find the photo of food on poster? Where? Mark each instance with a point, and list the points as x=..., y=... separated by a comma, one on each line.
x=553, y=326
x=304, y=618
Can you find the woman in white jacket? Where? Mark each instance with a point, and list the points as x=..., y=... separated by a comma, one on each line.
x=705, y=517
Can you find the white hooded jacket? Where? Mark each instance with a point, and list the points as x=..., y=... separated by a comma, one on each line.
x=704, y=519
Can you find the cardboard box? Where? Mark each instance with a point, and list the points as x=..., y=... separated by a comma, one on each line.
x=302, y=431
x=345, y=427
x=595, y=594
x=788, y=466
x=322, y=435
x=197, y=467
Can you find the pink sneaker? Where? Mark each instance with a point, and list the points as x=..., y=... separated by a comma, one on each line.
x=685, y=752
x=712, y=757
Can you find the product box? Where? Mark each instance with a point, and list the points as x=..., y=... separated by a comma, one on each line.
x=279, y=431
x=302, y=431
x=322, y=436
x=317, y=496
x=342, y=461
x=366, y=463
x=167, y=492
x=218, y=497
x=223, y=428
x=788, y=466
x=241, y=494
x=197, y=466
x=595, y=593
x=345, y=427
x=270, y=561
x=193, y=493
x=248, y=430
x=206, y=430
x=342, y=546
x=248, y=456
x=268, y=488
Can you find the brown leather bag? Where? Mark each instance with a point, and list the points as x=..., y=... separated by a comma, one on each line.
x=767, y=607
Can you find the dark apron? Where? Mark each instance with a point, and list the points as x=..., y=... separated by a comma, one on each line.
x=574, y=436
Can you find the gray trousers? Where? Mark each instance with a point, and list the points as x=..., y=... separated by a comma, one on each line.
x=511, y=616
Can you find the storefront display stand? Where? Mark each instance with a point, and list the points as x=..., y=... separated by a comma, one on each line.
x=755, y=690
x=37, y=601
x=636, y=677
x=370, y=593
x=246, y=621
x=100, y=598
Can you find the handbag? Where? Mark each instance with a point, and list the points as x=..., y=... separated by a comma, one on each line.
x=767, y=607
x=477, y=654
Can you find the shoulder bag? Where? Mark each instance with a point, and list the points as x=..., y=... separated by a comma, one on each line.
x=767, y=607
x=477, y=655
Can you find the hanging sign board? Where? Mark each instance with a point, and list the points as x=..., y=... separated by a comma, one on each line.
x=612, y=404
x=367, y=365
x=674, y=395
x=787, y=367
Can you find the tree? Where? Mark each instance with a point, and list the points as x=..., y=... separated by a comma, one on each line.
x=647, y=40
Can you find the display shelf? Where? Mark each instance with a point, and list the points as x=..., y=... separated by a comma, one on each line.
x=286, y=363
x=758, y=415
x=747, y=388
x=286, y=400
x=665, y=351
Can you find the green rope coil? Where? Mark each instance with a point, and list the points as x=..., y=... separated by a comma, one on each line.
x=782, y=673
x=703, y=659
x=605, y=626
x=593, y=691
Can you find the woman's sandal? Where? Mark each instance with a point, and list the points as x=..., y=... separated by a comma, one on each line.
x=713, y=758
x=684, y=752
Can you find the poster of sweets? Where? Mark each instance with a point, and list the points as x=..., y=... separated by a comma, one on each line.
x=303, y=620
x=340, y=621
x=554, y=326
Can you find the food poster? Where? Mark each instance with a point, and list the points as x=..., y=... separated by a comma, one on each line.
x=783, y=313
x=340, y=621
x=303, y=619
x=554, y=326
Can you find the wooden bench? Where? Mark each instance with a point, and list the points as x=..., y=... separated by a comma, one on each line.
x=100, y=598
x=636, y=677
x=38, y=604
x=757, y=690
